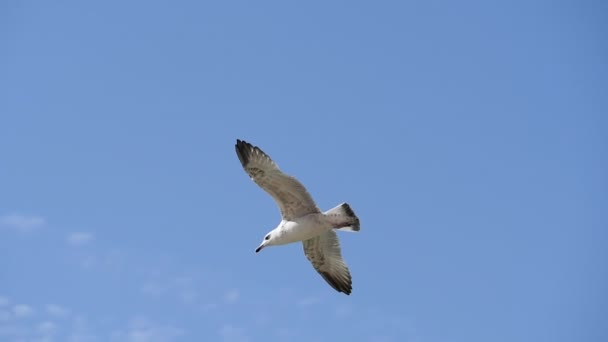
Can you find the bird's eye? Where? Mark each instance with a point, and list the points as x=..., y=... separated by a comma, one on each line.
x=267, y=237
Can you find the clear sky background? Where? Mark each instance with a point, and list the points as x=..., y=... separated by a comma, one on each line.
x=470, y=137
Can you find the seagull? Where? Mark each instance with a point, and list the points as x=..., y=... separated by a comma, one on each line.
x=301, y=219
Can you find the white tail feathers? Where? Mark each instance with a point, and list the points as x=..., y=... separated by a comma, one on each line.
x=343, y=217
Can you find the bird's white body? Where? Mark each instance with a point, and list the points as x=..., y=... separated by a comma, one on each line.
x=300, y=229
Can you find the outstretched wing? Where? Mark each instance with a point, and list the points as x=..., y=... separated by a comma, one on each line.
x=324, y=254
x=290, y=195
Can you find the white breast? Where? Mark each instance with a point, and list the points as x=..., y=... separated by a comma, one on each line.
x=303, y=228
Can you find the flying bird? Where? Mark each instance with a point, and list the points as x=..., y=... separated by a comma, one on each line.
x=301, y=219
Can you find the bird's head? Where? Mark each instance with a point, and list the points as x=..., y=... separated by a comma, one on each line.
x=268, y=241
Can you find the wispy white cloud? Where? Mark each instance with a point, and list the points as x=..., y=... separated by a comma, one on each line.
x=53, y=322
x=79, y=238
x=80, y=331
x=183, y=288
x=232, y=296
x=57, y=310
x=88, y=262
x=21, y=223
x=47, y=328
x=80, y=336
x=22, y=310
x=142, y=329
x=114, y=261
x=230, y=333
x=188, y=296
x=42, y=339
x=12, y=332
x=15, y=326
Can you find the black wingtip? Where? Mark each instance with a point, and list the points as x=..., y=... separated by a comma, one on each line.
x=243, y=150
x=240, y=144
x=243, y=145
x=340, y=286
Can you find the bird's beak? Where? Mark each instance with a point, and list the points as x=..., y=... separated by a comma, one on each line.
x=259, y=248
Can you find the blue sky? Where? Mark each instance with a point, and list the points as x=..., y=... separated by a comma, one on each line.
x=469, y=137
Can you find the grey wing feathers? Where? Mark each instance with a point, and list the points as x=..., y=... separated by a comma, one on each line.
x=324, y=254
x=290, y=195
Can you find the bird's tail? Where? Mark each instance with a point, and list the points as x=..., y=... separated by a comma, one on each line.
x=343, y=217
